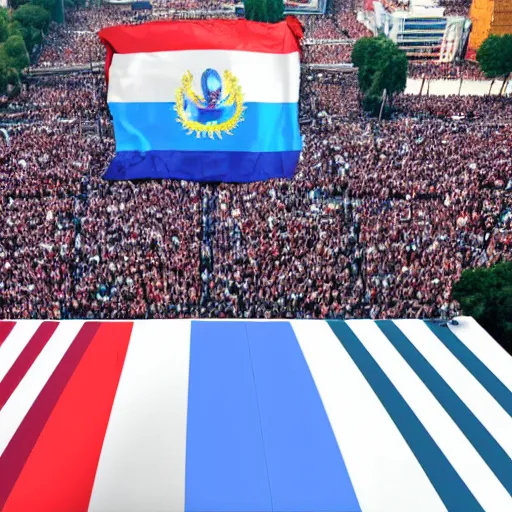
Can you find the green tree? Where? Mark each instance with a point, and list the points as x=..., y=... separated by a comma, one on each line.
x=486, y=295
x=49, y=5
x=269, y=11
x=381, y=66
x=14, y=4
x=4, y=14
x=4, y=29
x=32, y=16
x=32, y=37
x=495, y=57
x=14, y=29
x=275, y=11
x=15, y=53
x=32, y=21
x=4, y=73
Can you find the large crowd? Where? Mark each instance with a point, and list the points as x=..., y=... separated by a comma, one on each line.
x=379, y=221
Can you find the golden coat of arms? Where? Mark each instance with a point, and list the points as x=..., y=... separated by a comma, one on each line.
x=218, y=110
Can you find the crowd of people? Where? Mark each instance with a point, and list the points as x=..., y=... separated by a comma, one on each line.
x=379, y=221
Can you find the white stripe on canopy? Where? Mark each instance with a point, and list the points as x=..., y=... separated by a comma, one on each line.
x=17, y=340
x=142, y=463
x=384, y=472
x=481, y=403
x=464, y=458
x=155, y=77
x=485, y=348
x=21, y=400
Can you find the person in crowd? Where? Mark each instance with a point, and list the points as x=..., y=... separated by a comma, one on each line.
x=379, y=221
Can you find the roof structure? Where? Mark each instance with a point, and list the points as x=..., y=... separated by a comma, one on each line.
x=254, y=416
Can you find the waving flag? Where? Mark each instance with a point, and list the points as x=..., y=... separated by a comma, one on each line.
x=204, y=100
x=254, y=416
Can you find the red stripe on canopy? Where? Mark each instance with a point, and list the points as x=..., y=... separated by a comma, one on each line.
x=17, y=451
x=5, y=330
x=29, y=354
x=59, y=473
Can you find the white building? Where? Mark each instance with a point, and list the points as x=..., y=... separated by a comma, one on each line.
x=421, y=29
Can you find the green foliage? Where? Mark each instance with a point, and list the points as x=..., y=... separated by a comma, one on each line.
x=381, y=65
x=4, y=14
x=15, y=53
x=49, y=5
x=32, y=16
x=32, y=37
x=32, y=20
x=495, y=56
x=4, y=70
x=361, y=50
x=14, y=29
x=14, y=4
x=275, y=11
x=4, y=29
x=269, y=11
x=486, y=295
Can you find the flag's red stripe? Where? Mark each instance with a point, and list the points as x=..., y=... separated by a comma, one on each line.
x=20, y=446
x=240, y=35
x=5, y=330
x=29, y=354
x=59, y=473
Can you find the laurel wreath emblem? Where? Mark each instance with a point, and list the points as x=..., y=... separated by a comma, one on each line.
x=234, y=95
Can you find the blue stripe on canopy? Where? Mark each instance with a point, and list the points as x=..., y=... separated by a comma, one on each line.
x=488, y=448
x=225, y=468
x=305, y=466
x=154, y=127
x=451, y=489
x=478, y=369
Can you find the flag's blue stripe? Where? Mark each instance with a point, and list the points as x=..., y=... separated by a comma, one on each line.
x=305, y=466
x=488, y=448
x=266, y=127
x=223, y=166
x=487, y=379
x=450, y=487
x=225, y=466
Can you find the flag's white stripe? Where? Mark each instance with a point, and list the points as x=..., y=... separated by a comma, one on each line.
x=470, y=391
x=17, y=340
x=384, y=472
x=19, y=403
x=485, y=348
x=155, y=77
x=142, y=462
x=461, y=454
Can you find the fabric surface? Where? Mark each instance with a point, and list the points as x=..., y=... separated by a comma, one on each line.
x=256, y=416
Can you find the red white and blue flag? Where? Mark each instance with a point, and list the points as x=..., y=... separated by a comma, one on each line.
x=204, y=100
x=261, y=416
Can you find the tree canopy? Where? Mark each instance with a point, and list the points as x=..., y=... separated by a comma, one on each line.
x=4, y=71
x=486, y=295
x=21, y=29
x=4, y=14
x=14, y=4
x=15, y=53
x=270, y=11
x=495, y=56
x=4, y=29
x=381, y=65
x=29, y=15
x=49, y=5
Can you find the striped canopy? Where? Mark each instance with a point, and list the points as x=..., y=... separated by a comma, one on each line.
x=239, y=416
